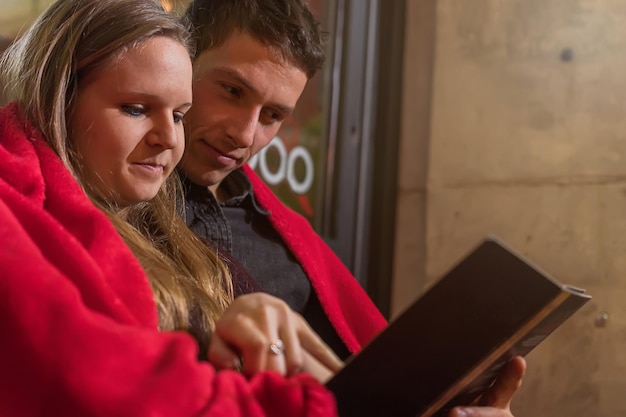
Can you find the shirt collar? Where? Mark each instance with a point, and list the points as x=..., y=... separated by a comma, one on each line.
x=238, y=186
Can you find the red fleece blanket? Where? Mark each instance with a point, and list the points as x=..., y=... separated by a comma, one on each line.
x=350, y=310
x=77, y=318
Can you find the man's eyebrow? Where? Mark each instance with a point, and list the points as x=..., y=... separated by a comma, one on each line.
x=287, y=110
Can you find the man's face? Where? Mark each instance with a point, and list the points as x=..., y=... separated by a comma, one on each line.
x=242, y=92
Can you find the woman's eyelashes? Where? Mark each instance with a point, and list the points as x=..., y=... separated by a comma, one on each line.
x=136, y=110
x=133, y=109
x=178, y=116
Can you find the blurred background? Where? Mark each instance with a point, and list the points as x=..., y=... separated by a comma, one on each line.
x=435, y=123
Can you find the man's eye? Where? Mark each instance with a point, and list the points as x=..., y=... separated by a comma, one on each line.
x=270, y=116
x=234, y=91
x=133, y=110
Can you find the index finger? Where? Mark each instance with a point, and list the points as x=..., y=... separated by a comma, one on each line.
x=314, y=345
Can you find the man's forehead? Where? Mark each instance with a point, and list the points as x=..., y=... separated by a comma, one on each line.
x=245, y=47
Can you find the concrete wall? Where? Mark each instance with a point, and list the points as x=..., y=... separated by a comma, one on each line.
x=526, y=140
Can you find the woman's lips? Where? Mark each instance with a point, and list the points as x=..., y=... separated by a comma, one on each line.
x=154, y=169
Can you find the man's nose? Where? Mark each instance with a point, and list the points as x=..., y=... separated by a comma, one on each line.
x=244, y=127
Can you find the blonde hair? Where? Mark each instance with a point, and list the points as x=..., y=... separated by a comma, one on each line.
x=42, y=70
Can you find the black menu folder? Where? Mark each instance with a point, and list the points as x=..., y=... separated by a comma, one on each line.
x=449, y=345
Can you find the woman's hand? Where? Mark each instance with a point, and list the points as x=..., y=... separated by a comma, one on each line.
x=247, y=338
x=497, y=401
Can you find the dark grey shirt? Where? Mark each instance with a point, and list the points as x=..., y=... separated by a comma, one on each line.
x=242, y=227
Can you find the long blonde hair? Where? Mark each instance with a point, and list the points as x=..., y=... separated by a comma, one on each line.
x=42, y=71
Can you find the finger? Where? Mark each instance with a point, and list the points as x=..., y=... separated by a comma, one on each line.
x=314, y=368
x=293, y=352
x=272, y=319
x=243, y=336
x=275, y=352
x=479, y=412
x=314, y=345
x=507, y=384
x=221, y=355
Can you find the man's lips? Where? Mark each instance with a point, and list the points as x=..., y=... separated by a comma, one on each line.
x=225, y=158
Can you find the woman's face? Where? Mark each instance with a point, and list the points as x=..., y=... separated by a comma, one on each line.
x=127, y=123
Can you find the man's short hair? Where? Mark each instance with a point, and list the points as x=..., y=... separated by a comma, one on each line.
x=286, y=26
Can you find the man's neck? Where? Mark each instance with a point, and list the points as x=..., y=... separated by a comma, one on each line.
x=219, y=193
x=234, y=185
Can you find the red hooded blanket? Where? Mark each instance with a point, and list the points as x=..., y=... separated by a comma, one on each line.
x=349, y=309
x=77, y=319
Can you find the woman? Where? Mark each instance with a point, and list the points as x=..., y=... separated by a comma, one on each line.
x=98, y=112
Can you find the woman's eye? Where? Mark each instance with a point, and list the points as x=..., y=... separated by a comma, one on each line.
x=178, y=117
x=133, y=110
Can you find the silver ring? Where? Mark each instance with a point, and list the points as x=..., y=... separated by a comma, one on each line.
x=277, y=347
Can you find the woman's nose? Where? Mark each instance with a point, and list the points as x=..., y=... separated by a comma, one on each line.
x=163, y=133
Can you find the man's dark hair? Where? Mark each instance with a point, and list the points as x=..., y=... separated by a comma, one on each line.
x=286, y=26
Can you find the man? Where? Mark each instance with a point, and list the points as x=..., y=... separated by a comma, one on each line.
x=253, y=61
